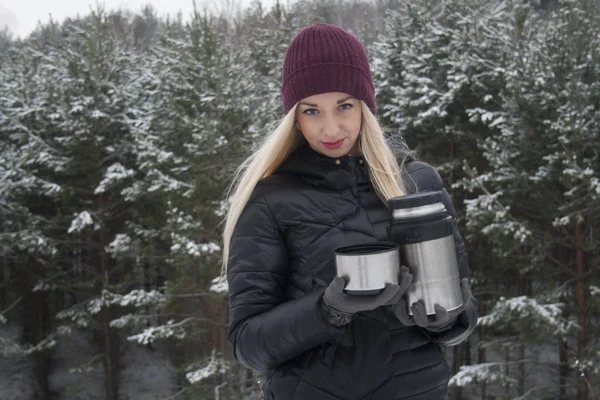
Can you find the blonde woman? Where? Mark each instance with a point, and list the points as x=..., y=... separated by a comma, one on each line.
x=319, y=181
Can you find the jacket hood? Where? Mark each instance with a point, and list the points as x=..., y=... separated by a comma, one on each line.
x=326, y=172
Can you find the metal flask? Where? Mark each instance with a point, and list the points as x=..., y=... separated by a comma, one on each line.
x=369, y=267
x=424, y=230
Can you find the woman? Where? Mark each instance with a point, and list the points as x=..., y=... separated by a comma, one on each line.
x=319, y=181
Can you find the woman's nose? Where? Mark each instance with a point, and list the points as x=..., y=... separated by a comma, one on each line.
x=331, y=126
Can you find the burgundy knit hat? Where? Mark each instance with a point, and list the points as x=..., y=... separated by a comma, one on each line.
x=323, y=58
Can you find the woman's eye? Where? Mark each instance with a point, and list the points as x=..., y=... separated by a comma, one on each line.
x=310, y=111
x=346, y=106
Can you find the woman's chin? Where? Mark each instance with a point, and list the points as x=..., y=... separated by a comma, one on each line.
x=334, y=153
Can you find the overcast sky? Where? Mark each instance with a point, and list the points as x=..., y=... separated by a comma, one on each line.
x=22, y=16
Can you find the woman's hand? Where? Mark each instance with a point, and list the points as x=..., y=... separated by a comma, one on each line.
x=338, y=306
x=441, y=321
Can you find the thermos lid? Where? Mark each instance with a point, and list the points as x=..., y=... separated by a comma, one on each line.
x=415, y=205
x=416, y=199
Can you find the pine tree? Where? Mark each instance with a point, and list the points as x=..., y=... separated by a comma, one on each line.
x=27, y=184
x=440, y=80
x=81, y=91
x=540, y=201
x=197, y=114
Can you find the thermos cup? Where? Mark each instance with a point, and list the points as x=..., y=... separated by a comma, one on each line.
x=368, y=268
x=423, y=228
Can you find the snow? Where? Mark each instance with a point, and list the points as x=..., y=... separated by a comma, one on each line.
x=80, y=313
x=166, y=183
x=120, y=244
x=139, y=298
x=95, y=114
x=595, y=185
x=562, y=221
x=114, y=174
x=81, y=221
x=183, y=245
x=547, y=316
x=76, y=313
x=470, y=374
x=133, y=192
x=147, y=372
x=219, y=285
x=18, y=380
x=214, y=366
x=153, y=333
x=76, y=371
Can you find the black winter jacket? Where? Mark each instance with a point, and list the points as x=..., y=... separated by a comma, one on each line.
x=281, y=260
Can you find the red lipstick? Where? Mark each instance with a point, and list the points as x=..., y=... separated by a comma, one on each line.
x=333, y=145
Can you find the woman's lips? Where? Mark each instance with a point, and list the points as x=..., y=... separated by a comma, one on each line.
x=333, y=145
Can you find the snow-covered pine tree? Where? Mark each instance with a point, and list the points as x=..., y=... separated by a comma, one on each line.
x=440, y=79
x=27, y=184
x=540, y=205
x=263, y=35
x=198, y=112
x=85, y=82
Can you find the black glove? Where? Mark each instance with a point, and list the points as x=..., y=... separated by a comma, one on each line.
x=441, y=321
x=338, y=306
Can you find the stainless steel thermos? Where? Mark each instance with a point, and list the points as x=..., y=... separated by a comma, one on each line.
x=369, y=267
x=424, y=229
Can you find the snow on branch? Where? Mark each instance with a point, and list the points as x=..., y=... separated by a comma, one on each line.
x=128, y=320
x=114, y=174
x=120, y=244
x=525, y=308
x=139, y=298
x=164, y=183
x=82, y=220
x=214, y=366
x=45, y=344
x=219, y=285
x=481, y=373
x=153, y=333
x=183, y=245
x=81, y=312
x=9, y=346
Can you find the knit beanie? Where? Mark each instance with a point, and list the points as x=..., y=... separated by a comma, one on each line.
x=323, y=58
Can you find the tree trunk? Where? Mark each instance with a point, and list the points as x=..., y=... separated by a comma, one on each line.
x=481, y=356
x=582, y=334
x=35, y=323
x=5, y=284
x=109, y=339
x=563, y=369
x=563, y=254
x=42, y=358
x=521, y=382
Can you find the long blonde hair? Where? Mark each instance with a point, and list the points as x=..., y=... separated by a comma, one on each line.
x=384, y=169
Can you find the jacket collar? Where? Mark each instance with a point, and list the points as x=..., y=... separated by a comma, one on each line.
x=326, y=172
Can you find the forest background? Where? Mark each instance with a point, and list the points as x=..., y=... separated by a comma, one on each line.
x=120, y=130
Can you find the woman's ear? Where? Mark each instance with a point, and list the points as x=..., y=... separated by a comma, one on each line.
x=297, y=125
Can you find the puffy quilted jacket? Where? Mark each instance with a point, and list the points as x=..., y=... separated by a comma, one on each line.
x=281, y=260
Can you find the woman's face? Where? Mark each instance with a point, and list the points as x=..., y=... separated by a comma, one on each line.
x=330, y=122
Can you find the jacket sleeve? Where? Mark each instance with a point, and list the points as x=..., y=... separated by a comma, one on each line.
x=265, y=328
x=466, y=321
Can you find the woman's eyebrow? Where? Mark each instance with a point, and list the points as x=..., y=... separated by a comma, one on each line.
x=316, y=105
x=346, y=99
